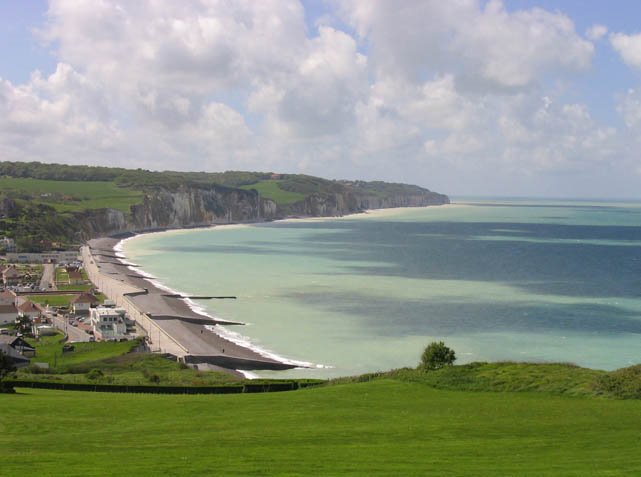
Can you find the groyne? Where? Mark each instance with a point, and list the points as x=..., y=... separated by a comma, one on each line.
x=166, y=320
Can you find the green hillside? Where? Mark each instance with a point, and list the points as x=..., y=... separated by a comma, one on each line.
x=383, y=427
x=271, y=189
x=474, y=419
x=66, y=196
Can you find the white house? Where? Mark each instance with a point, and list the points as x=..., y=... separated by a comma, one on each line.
x=29, y=309
x=82, y=303
x=108, y=323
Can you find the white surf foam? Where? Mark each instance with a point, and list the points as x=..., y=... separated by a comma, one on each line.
x=248, y=374
x=245, y=342
x=220, y=330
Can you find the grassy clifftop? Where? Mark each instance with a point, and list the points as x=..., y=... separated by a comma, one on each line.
x=119, y=366
x=54, y=205
x=548, y=378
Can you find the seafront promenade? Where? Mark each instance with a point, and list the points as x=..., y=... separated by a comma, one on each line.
x=167, y=321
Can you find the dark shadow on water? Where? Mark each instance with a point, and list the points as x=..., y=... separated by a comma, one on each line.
x=525, y=256
x=459, y=251
x=400, y=318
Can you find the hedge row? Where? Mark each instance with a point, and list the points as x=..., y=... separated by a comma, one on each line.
x=121, y=388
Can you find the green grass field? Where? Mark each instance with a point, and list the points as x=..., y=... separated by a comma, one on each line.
x=270, y=190
x=553, y=378
x=129, y=369
x=53, y=300
x=116, y=364
x=477, y=419
x=384, y=427
x=61, y=275
x=49, y=350
x=85, y=195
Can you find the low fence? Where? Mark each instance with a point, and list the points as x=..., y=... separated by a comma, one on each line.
x=145, y=389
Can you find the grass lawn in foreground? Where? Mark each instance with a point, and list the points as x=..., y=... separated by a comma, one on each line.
x=383, y=427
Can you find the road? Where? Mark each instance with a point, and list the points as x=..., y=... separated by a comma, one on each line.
x=75, y=334
x=48, y=277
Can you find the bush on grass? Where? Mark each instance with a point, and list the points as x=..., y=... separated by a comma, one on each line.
x=436, y=356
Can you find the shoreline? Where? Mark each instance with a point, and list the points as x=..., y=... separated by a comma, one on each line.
x=170, y=325
x=221, y=323
x=182, y=320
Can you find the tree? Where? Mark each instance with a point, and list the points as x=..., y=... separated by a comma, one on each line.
x=23, y=325
x=6, y=367
x=436, y=355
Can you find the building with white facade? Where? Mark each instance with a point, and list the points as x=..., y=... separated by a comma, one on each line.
x=29, y=309
x=62, y=256
x=108, y=323
x=82, y=303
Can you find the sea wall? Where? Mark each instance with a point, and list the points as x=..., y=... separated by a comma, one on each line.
x=118, y=291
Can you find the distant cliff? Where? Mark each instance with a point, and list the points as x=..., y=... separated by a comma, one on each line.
x=96, y=201
x=190, y=206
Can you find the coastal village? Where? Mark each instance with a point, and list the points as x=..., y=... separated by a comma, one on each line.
x=46, y=294
x=94, y=295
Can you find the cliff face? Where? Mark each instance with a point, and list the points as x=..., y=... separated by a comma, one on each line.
x=188, y=206
x=101, y=222
x=411, y=200
x=339, y=204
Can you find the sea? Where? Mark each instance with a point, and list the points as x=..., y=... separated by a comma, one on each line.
x=495, y=279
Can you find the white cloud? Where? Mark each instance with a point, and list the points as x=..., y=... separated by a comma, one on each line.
x=629, y=47
x=319, y=95
x=192, y=47
x=596, y=32
x=629, y=106
x=439, y=93
x=63, y=116
x=503, y=49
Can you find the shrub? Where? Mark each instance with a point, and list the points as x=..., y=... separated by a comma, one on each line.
x=436, y=355
x=35, y=369
x=6, y=369
x=624, y=383
x=95, y=374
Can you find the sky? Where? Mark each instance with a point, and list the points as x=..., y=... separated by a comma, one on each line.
x=535, y=98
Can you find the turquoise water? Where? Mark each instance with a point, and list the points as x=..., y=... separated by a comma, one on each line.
x=517, y=280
